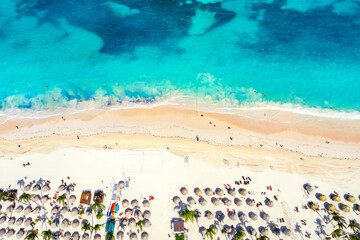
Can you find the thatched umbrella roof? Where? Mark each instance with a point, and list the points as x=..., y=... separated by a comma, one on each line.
x=252, y=231
x=253, y=216
x=184, y=191
x=72, y=199
x=358, y=207
x=242, y=217
x=120, y=235
x=125, y=203
x=28, y=221
x=19, y=221
x=2, y=232
x=237, y=202
x=220, y=192
x=202, y=201
x=144, y=236
x=227, y=202
x=146, y=203
x=137, y=214
x=44, y=199
x=232, y=192
x=331, y=208
x=70, y=188
x=65, y=223
x=134, y=203
x=36, y=188
x=133, y=236
x=128, y=212
x=322, y=197
x=10, y=208
x=232, y=215
x=335, y=198
x=132, y=223
x=191, y=200
x=20, y=233
x=123, y=222
x=243, y=192
x=265, y=217
x=88, y=211
x=147, y=214
x=350, y=198
x=216, y=230
x=198, y=191
x=27, y=210
x=314, y=206
x=75, y=235
x=176, y=200
x=85, y=236
x=67, y=235
x=19, y=209
x=54, y=223
x=250, y=202
x=27, y=188
x=208, y=191
x=146, y=222
x=46, y=188
x=37, y=210
x=97, y=237
x=36, y=198
x=11, y=221
x=228, y=229
x=287, y=232
x=345, y=208
x=121, y=184
x=215, y=201
x=2, y=219
x=10, y=233
x=269, y=203
x=64, y=210
x=55, y=210
x=74, y=211
x=309, y=188
x=61, y=188
x=75, y=223
x=209, y=215
x=202, y=231
x=264, y=232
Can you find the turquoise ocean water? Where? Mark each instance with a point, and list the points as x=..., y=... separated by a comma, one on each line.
x=54, y=54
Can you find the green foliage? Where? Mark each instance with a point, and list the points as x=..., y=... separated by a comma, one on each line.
x=33, y=235
x=99, y=215
x=61, y=199
x=240, y=234
x=188, y=215
x=47, y=235
x=86, y=227
x=140, y=224
x=210, y=232
x=180, y=236
x=97, y=227
x=110, y=236
x=4, y=196
x=337, y=233
x=25, y=197
x=263, y=238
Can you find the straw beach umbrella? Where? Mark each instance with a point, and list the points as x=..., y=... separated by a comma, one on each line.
x=133, y=236
x=215, y=201
x=67, y=235
x=243, y=192
x=120, y=235
x=197, y=191
x=70, y=188
x=74, y=211
x=132, y=223
x=232, y=192
x=20, y=233
x=28, y=221
x=11, y=221
x=335, y=197
x=202, y=201
x=176, y=200
x=219, y=192
x=65, y=223
x=46, y=188
x=72, y=199
x=75, y=235
x=134, y=203
x=37, y=210
x=121, y=184
x=264, y=232
x=125, y=203
x=308, y=188
x=2, y=219
x=55, y=210
x=287, y=232
x=350, y=198
x=2, y=232
x=36, y=188
x=253, y=216
x=209, y=215
x=331, y=208
x=147, y=214
x=19, y=209
x=265, y=217
x=36, y=198
x=27, y=210
x=146, y=222
x=345, y=208
x=85, y=236
x=269, y=203
x=19, y=221
x=237, y=202
x=232, y=215
x=75, y=223
x=61, y=188
x=137, y=214
x=191, y=200
x=146, y=203
x=242, y=217
x=44, y=199
x=250, y=202
x=314, y=207
x=322, y=197
x=97, y=237
x=10, y=233
x=227, y=202
x=10, y=208
x=184, y=191
x=128, y=212
x=27, y=188
x=208, y=191
x=144, y=236
x=64, y=210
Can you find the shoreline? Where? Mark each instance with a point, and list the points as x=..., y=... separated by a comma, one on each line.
x=270, y=130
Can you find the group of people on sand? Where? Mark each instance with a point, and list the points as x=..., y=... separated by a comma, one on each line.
x=26, y=164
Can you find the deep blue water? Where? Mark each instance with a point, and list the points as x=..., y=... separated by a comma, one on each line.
x=302, y=52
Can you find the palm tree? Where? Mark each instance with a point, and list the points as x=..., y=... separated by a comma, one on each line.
x=61, y=199
x=263, y=238
x=188, y=215
x=110, y=236
x=337, y=233
x=4, y=196
x=25, y=197
x=341, y=225
x=86, y=227
x=33, y=235
x=98, y=209
x=240, y=234
x=336, y=217
x=210, y=232
x=97, y=227
x=223, y=231
x=140, y=224
x=354, y=226
x=47, y=235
